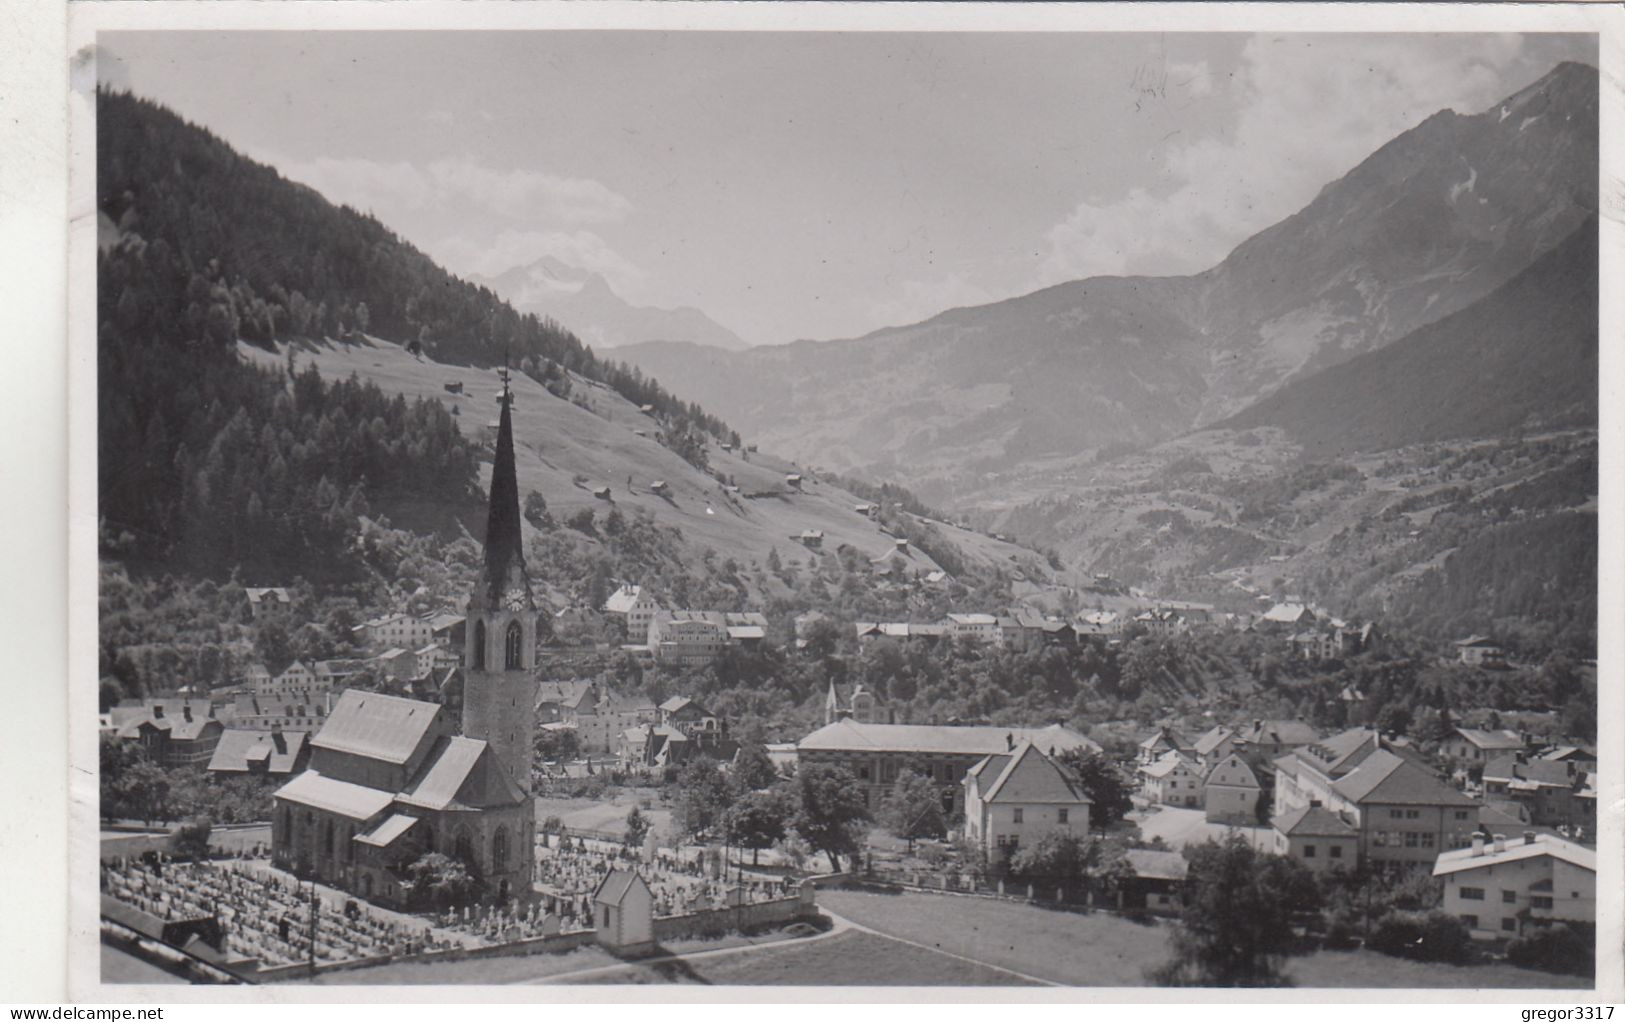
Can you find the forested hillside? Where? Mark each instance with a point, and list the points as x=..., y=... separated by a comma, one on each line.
x=295, y=265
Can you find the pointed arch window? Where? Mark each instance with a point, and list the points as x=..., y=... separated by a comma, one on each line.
x=499, y=851
x=463, y=847
x=479, y=646
x=513, y=647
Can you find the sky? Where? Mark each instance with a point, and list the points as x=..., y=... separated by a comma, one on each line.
x=821, y=184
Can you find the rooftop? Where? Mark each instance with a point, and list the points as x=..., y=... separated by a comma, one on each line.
x=1514, y=851
x=377, y=726
x=975, y=740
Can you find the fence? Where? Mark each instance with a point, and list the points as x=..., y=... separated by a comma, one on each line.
x=714, y=922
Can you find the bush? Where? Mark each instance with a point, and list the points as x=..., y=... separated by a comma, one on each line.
x=1566, y=948
x=191, y=839
x=1422, y=937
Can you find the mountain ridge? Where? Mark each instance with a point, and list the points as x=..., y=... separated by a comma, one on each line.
x=1430, y=222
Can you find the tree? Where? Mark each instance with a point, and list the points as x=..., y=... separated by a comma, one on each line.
x=752, y=769
x=757, y=822
x=1236, y=928
x=558, y=744
x=1058, y=858
x=912, y=809
x=1395, y=719
x=637, y=828
x=439, y=880
x=536, y=512
x=191, y=839
x=829, y=811
x=702, y=798
x=1109, y=798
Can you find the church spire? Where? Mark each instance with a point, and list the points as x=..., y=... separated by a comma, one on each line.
x=504, y=540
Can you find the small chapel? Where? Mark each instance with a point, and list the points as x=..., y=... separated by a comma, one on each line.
x=391, y=779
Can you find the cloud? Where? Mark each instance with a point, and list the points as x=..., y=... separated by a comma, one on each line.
x=392, y=189
x=1310, y=109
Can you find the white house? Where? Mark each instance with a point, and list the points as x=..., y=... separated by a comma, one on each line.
x=636, y=606
x=1171, y=780
x=623, y=912
x=1018, y=795
x=1488, y=885
x=1230, y=791
x=1479, y=746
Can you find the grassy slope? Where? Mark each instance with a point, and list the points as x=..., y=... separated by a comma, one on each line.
x=1106, y=950
x=555, y=441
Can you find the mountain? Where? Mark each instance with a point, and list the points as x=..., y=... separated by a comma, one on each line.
x=215, y=277
x=959, y=405
x=1524, y=357
x=589, y=307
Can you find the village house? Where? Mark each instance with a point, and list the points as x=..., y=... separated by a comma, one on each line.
x=1163, y=741
x=267, y=600
x=1317, y=837
x=1480, y=651
x=1261, y=742
x=1154, y=881
x=686, y=638
x=862, y=706
x=654, y=747
x=1230, y=792
x=1172, y=780
x=1553, y=793
x=273, y=753
x=600, y=725
x=1499, y=889
x=172, y=732
x=1475, y=746
x=562, y=701
x=1404, y=814
x=393, y=631
x=876, y=754
x=634, y=606
x=1285, y=618
x=1100, y=624
x=899, y=631
x=1584, y=757
x=982, y=629
x=1214, y=745
x=1020, y=794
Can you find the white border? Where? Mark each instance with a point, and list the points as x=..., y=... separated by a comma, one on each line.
x=87, y=18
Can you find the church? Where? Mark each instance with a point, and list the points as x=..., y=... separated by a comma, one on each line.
x=393, y=779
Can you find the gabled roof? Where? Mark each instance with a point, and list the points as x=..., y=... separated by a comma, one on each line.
x=1151, y=864
x=1025, y=775
x=238, y=747
x=1313, y=821
x=616, y=885
x=1387, y=779
x=453, y=777
x=1171, y=737
x=1341, y=752
x=1166, y=764
x=1214, y=738
x=1287, y=613
x=1537, y=773
x=1543, y=845
x=977, y=740
x=622, y=600
x=1277, y=732
x=1492, y=741
x=334, y=796
x=676, y=703
x=1478, y=640
x=377, y=726
x=1236, y=773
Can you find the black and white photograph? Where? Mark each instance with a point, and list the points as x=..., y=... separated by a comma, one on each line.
x=755, y=506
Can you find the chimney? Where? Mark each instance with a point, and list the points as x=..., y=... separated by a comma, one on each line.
x=1314, y=803
x=186, y=712
x=1478, y=845
x=1009, y=741
x=157, y=711
x=1500, y=843
x=1528, y=837
x=278, y=740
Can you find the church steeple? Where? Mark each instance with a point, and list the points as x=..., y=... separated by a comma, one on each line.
x=505, y=580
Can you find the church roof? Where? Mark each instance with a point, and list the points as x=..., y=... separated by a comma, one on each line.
x=386, y=833
x=375, y=725
x=335, y=796
x=452, y=778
